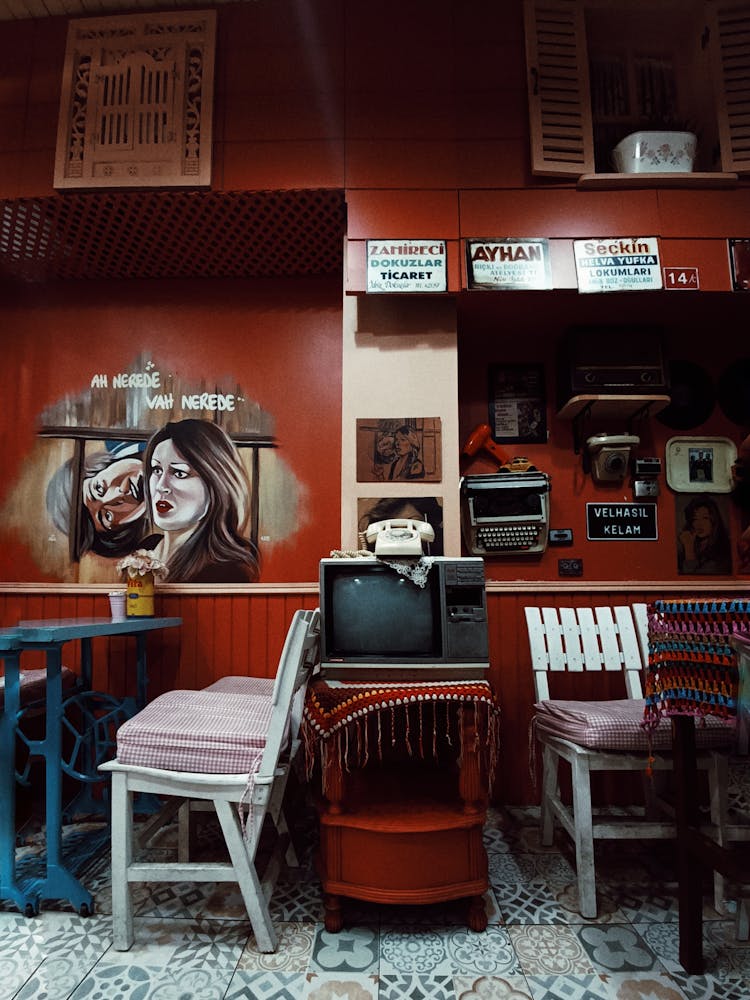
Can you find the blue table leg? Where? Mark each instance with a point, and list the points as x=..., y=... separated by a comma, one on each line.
x=87, y=670
x=27, y=900
x=59, y=883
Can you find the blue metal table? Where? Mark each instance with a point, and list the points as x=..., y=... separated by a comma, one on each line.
x=50, y=635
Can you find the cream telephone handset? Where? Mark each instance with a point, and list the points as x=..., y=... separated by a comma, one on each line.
x=399, y=536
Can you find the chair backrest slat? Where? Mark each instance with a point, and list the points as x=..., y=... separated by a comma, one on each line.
x=572, y=637
x=538, y=648
x=555, y=654
x=592, y=654
x=609, y=639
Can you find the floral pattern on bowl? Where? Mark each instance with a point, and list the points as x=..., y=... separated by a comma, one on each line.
x=655, y=152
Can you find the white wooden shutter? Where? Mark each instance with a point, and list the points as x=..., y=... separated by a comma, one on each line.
x=137, y=101
x=558, y=79
x=729, y=37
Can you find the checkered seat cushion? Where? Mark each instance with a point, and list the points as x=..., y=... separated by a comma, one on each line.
x=235, y=684
x=33, y=685
x=617, y=725
x=208, y=732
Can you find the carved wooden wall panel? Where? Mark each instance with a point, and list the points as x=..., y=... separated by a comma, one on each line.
x=136, y=106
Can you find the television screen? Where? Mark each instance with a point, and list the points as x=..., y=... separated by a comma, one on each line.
x=377, y=612
x=375, y=621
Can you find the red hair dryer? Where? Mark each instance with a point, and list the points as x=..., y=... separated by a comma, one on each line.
x=480, y=439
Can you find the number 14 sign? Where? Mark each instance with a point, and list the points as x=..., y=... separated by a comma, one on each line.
x=681, y=278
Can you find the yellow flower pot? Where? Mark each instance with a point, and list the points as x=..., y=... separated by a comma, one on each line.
x=140, y=595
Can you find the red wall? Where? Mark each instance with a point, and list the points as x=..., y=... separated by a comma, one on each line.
x=280, y=341
x=707, y=329
x=419, y=114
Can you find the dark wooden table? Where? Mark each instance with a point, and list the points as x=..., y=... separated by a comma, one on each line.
x=692, y=672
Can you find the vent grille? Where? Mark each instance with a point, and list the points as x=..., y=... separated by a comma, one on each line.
x=733, y=22
x=171, y=234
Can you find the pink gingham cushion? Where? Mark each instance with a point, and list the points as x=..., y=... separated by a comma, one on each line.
x=33, y=684
x=235, y=684
x=207, y=732
x=616, y=725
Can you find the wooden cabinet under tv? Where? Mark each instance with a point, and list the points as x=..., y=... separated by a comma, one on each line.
x=406, y=831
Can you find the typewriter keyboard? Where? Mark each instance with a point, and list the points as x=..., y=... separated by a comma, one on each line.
x=496, y=537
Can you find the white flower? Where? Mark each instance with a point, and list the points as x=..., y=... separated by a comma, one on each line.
x=140, y=562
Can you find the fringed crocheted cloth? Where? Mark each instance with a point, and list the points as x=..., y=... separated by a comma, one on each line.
x=362, y=719
x=692, y=667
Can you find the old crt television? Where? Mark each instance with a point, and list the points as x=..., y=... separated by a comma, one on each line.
x=376, y=622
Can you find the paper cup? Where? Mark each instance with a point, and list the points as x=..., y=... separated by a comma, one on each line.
x=117, y=605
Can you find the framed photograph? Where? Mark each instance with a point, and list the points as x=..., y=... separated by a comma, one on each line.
x=518, y=404
x=399, y=449
x=704, y=544
x=700, y=464
x=430, y=509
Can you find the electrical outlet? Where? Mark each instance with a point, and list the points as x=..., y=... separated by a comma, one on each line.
x=570, y=567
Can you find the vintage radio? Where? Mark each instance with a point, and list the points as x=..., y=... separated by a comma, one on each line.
x=611, y=359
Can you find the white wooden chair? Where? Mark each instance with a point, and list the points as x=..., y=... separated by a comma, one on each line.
x=223, y=746
x=605, y=735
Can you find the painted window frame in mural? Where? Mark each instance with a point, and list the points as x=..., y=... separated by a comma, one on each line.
x=399, y=449
x=517, y=401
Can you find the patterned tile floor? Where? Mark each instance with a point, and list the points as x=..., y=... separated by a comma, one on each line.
x=194, y=941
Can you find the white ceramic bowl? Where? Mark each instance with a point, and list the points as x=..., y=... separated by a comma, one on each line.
x=655, y=153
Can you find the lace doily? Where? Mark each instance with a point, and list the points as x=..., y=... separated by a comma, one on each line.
x=416, y=570
x=352, y=554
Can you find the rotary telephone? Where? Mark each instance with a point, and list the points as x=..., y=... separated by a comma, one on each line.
x=399, y=536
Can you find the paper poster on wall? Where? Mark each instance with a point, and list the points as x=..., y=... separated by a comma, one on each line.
x=508, y=263
x=399, y=449
x=704, y=545
x=518, y=403
x=618, y=264
x=414, y=265
x=428, y=508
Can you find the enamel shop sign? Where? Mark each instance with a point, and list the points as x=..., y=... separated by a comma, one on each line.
x=508, y=263
x=621, y=522
x=406, y=266
x=618, y=264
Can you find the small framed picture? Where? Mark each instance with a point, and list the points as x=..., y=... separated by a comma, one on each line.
x=700, y=464
x=399, y=449
x=704, y=544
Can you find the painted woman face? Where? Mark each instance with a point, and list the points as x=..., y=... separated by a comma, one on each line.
x=702, y=522
x=179, y=498
x=114, y=496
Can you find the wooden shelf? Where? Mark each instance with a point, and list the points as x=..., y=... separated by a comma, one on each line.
x=709, y=179
x=608, y=405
